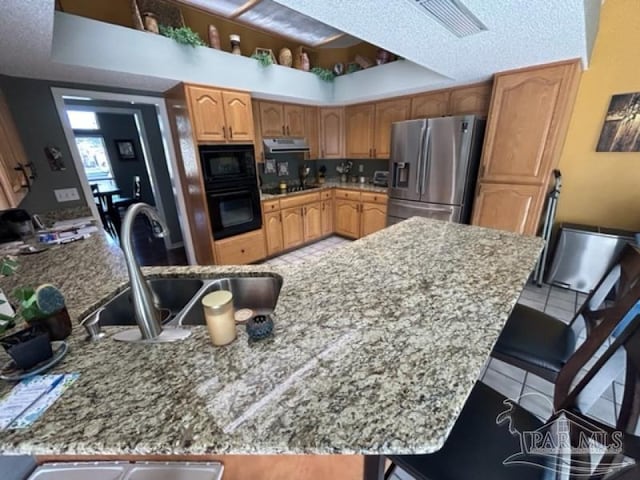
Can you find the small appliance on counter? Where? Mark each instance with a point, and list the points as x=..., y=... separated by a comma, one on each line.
x=381, y=178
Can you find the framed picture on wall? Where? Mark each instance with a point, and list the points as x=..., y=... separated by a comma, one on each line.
x=126, y=151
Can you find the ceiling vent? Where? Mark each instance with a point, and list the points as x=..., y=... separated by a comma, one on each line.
x=453, y=16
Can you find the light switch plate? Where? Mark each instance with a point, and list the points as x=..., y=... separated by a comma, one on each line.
x=67, y=194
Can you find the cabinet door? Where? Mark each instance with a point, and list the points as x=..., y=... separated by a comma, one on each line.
x=526, y=109
x=294, y=120
x=331, y=133
x=207, y=110
x=312, y=131
x=386, y=114
x=12, y=154
x=347, y=218
x=312, y=221
x=273, y=232
x=473, y=99
x=272, y=120
x=430, y=105
x=257, y=132
x=358, y=127
x=238, y=116
x=515, y=208
x=292, y=227
x=374, y=218
x=327, y=217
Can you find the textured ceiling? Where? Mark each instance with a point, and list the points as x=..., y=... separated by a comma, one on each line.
x=520, y=32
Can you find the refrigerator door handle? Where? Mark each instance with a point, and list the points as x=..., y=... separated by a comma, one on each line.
x=425, y=158
x=425, y=128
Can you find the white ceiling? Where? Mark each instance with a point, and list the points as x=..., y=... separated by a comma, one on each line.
x=520, y=33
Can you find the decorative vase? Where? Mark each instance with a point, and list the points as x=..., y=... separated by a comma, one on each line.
x=305, y=65
x=214, y=37
x=338, y=69
x=285, y=58
x=235, y=44
x=150, y=22
x=383, y=57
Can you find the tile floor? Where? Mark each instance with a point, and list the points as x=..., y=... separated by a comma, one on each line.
x=309, y=252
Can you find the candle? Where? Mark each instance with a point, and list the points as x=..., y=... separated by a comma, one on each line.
x=219, y=314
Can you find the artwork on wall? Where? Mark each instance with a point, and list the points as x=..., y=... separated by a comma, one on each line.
x=126, y=150
x=269, y=166
x=54, y=156
x=621, y=129
x=283, y=169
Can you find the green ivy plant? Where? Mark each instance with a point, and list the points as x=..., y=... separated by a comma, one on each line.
x=263, y=58
x=182, y=35
x=324, y=74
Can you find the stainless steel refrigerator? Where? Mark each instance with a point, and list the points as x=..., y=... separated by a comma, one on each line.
x=433, y=166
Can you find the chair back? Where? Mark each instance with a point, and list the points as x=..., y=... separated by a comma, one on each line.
x=95, y=188
x=137, y=188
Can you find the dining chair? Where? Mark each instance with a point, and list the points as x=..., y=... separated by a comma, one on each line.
x=123, y=203
x=486, y=431
x=101, y=207
x=542, y=344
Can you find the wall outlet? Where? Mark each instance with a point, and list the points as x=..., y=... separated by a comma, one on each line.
x=67, y=194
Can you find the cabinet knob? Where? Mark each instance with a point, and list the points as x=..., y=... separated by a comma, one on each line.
x=242, y=250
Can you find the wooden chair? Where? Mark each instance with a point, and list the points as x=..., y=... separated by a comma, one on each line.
x=542, y=344
x=102, y=209
x=136, y=197
x=477, y=445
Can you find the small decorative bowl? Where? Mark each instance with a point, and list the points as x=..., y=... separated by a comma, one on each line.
x=259, y=327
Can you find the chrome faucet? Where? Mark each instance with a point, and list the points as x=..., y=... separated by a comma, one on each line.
x=148, y=315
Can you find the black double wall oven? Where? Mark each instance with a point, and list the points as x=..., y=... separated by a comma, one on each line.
x=231, y=187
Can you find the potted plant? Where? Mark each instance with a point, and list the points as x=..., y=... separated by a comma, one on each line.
x=321, y=174
x=44, y=307
x=182, y=35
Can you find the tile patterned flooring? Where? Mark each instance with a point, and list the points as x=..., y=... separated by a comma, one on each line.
x=310, y=252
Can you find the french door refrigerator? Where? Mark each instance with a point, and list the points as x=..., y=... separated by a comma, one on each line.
x=433, y=166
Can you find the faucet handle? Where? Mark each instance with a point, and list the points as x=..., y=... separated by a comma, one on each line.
x=92, y=326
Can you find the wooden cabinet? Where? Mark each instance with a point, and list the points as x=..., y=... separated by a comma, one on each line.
x=387, y=113
x=272, y=123
x=359, y=123
x=273, y=232
x=508, y=207
x=326, y=219
x=220, y=116
x=12, y=155
x=530, y=110
x=347, y=217
x=292, y=227
x=373, y=218
x=332, y=132
x=312, y=214
x=429, y=105
x=470, y=99
x=294, y=120
x=241, y=249
x=312, y=131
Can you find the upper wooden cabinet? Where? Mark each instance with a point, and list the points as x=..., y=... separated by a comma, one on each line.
x=386, y=114
x=471, y=99
x=257, y=130
x=332, y=132
x=220, y=116
x=294, y=120
x=12, y=155
x=312, y=131
x=272, y=123
x=529, y=115
x=430, y=105
x=508, y=207
x=359, y=123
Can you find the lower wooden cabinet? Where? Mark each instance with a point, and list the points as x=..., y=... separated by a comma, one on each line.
x=508, y=207
x=327, y=217
x=373, y=218
x=292, y=227
x=273, y=232
x=347, y=220
x=241, y=249
x=312, y=221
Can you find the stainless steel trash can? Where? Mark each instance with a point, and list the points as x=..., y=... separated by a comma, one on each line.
x=583, y=254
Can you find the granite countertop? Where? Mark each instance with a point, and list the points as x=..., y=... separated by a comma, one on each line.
x=376, y=347
x=365, y=187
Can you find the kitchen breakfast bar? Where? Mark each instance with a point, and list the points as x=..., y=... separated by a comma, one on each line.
x=376, y=347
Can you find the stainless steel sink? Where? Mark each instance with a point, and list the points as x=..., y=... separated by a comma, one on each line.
x=173, y=295
x=260, y=294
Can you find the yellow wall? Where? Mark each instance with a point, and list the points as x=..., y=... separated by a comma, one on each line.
x=601, y=188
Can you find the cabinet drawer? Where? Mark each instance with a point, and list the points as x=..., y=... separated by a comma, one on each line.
x=270, y=206
x=241, y=249
x=374, y=197
x=326, y=194
x=347, y=194
x=296, y=200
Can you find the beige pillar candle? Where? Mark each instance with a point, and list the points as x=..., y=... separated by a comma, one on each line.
x=219, y=314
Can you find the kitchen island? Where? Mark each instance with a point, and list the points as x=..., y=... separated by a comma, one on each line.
x=376, y=347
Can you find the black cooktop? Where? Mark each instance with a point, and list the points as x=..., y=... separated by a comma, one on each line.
x=290, y=189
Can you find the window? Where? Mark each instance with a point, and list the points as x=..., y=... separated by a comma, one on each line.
x=94, y=157
x=82, y=120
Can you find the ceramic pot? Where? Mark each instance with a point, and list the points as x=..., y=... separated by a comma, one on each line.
x=305, y=65
x=150, y=22
x=214, y=37
x=338, y=69
x=57, y=325
x=235, y=44
x=285, y=57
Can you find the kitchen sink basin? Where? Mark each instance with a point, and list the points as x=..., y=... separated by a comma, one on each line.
x=173, y=295
x=260, y=294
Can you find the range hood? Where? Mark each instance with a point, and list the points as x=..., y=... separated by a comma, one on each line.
x=285, y=145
